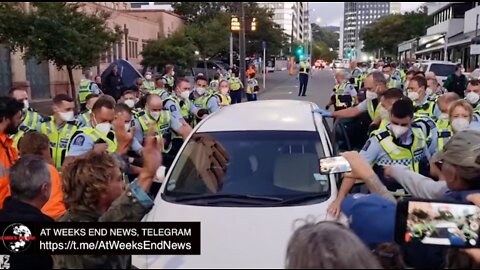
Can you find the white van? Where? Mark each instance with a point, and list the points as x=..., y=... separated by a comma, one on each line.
x=441, y=69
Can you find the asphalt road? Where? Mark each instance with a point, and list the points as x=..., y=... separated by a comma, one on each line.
x=280, y=85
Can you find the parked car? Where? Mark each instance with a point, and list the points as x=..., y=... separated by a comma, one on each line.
x=441, y=69
x=212, y=68
x=271, y=179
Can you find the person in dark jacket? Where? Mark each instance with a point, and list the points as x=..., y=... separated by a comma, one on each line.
x=114, y=84
x=456, y=82
x=30, y=190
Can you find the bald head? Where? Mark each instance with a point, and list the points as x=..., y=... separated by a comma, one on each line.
x=376, y=82
x=353, y=64
x=154, y=103
x=340, y=76
x=446, y=99
x=430, y=75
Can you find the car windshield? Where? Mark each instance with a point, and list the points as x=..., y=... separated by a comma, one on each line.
x=442, y=69
x=249, y=167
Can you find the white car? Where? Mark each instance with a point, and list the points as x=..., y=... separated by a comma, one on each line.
x=441, y=69
x=272, y=181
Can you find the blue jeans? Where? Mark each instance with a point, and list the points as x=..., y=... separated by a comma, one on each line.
x=251, y=97
x=236, y=96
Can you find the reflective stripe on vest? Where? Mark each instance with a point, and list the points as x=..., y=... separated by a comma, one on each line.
x=85, y=90
x=443, y=136
x=392, y=83
x=22, y=129
x=96, y=135
x=86, y=116
x=59, y=140
x=225, y=100
x=339, y=92
x=162, y=126
x=373, y=112
x=400, y=155
x=426, y=108
x=158, y=92
x=185, y=109
x=202, y=101
x=235, y=84
x=304, y=67
x=31, y=120
x=214, y=84
x=149, y=85
x=442, y=124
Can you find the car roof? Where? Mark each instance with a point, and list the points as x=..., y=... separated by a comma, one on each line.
x=438, y=62
x=292, y=115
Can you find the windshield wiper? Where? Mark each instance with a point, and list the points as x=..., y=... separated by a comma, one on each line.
x=227, y=196
x=305, y=198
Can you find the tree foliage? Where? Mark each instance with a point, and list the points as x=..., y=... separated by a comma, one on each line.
x=391, y=30
x=210, y=37
x=322, y=51
x=324, y=35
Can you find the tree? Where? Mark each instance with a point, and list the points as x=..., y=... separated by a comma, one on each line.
x=322, y=51
x=62, y=33
x=165, y=51
x=322, y=34
x=391, y=30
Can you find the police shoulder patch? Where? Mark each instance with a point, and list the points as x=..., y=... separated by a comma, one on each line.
x=79, y=140
x=46, y=119
x=367, y=145
x=173, y=108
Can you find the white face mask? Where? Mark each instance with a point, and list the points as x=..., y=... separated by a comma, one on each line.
x=398, y=131
x=224, y=90
x=472, y=98
x=460, y=124
x=130, y=103
x=185, y=95
x=429, y=91
x=443, y=116
x=387, y=76
x=127, y=127
x=148, y=77
x=413, y=95
x=66, y=116
x=155, y=115
x=370, y=95
x=26, y=105
x=173, y=73
x=104, y=127
x=200, y=90
x=364, y=69
x=384, y=114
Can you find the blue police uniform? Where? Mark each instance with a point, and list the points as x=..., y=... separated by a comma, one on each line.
x=175, y=125
x=211, y=103
x=175, y=110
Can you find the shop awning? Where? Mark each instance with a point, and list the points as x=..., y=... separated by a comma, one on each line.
x=431, y=49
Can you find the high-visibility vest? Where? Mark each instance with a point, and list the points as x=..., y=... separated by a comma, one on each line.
x=170, y=80
x=443, y=136
x=158, y=92
x=342, y=101
x=442, y=123
x=31, y=118
x=59, y=139
x=96, y=135
x=304, y=68
x=235, y=84
x=224, y=100
x=214, y=84
x=400, y=155
x=22, y=130
x=373, y=110
x=426, y=108
x=85, y=90
x=184, y=109
x=149, y=85
x=86, y=116
x=8, y=157
x=162, y=126
x=393, y=83
x=251, y=84
x=427, y=121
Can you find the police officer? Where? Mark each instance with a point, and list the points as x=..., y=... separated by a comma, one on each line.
x=417, y=93
x=214, y=83
x=98, y=134
x=202, y=99
x=392, y=81
x=179, y=103
x=130, y=99
x=169, y=77
x=30, y=117
x=160, y=89
x=444, y=102
x=472, y=96
x=236, y=86
x=83, y=119
x=222, y=93
x=59, y=127
x=398, y=73
x=87, y=87
x=148, y=83
x=344, y=94
x=303, y=73
x=356, y=75
x=252, y=87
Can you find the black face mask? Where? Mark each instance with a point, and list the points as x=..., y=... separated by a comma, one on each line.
x=11, y=129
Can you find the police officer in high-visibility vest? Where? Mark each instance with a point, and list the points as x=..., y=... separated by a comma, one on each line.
x=375, y=85
x=87, y=87
x=344, y=94
x=443, y=103
x=392, y=81
x=236, y=87
x=83, y=118
x=400, y=144
x=179, y=103
x=98, y=134
x=166, y=126
x=59, y=127
x=30, y=117
x=398, y=73
x=460, y=115
x=213, y=86
x=148, y=83
x=201, y=98
x=355, y=75
x=169, y=77
x=130, y=99
x=160, y=88
x=303, y=73
x=417, y=93
x=224, y=98
x=472, y=94
x=252, y=87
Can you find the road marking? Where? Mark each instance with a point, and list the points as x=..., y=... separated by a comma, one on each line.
x=289, y=93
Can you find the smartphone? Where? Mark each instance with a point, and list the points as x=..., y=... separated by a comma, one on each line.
x=331, y=165
x=437, y=223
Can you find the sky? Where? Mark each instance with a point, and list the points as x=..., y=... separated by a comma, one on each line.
x=331, y=13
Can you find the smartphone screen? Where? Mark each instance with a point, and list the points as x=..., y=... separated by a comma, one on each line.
x=438, y=223
x=334, y=165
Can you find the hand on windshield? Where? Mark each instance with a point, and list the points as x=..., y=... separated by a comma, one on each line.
x=210, y=159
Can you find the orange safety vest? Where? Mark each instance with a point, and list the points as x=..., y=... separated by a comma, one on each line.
x=54, y=207
x=8, y=157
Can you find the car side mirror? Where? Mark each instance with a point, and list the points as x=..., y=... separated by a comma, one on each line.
x=334, y=165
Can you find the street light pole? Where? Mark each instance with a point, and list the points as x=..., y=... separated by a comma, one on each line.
x=242, y=44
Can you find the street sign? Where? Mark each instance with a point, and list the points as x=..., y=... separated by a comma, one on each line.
x=264, y=45
x=235, y=24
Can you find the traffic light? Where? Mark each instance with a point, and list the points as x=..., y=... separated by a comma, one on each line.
x=299, y=54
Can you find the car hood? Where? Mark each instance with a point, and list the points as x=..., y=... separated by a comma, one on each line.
x=233, y=237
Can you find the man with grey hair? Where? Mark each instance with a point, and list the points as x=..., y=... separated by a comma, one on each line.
x=87, y=86
x=344, y=94
x=30, y=190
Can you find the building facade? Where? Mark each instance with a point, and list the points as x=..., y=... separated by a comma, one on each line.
x=44, y=80
x=151, y=5
x=358, y=15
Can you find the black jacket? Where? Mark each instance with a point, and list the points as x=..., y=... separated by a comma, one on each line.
x=17, y=211
x=113, y=85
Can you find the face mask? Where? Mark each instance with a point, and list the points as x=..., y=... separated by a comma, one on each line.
x=460, y=124
x=413, y=95
x=26, y=105
x=472, y=98
x=429, y=91
x=130, y=103
x=66, y=116
x=364, y=69
x=371, y=95
x=173, y=73
x=155, y=115
x=387, y=76
x=127, y=127
x=103, y=127
x=443, y=116
x=185, y=95
x=384, y=114
x=224, y=91
x=148, y=77
x=200, y=90
x=398, y=130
